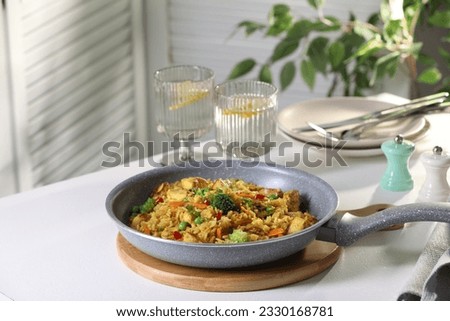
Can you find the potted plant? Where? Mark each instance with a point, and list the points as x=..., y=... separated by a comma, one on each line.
x=354, y=53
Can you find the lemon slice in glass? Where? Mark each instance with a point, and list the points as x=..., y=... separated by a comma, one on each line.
x=248, y=109
x=187, y=95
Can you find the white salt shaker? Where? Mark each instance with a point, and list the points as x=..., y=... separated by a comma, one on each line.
x=435, y=188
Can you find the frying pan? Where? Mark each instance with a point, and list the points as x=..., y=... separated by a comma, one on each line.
x=319, y=197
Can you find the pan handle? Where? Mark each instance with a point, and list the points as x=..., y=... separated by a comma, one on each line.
x=347, y=228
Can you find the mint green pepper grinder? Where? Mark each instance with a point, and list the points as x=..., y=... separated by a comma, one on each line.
x=397, y=176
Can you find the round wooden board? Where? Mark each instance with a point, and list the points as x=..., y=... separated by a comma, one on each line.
x=314, y=259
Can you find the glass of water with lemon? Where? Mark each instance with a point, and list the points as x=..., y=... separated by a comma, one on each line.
x=245, y=117
x=185, y=109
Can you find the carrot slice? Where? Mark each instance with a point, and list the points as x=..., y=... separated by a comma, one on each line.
x=199, y=205
x=219, y=232
x=176, y=203
x=276, y=232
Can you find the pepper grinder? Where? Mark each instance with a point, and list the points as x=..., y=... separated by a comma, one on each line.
x=397, y=176
x=435, y=188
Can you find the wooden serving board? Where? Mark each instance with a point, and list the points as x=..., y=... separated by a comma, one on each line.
x=314, y=259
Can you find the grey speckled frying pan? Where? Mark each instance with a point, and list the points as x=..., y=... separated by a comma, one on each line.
x=320, y=198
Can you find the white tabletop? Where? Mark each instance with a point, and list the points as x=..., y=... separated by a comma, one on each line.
x=58, y=243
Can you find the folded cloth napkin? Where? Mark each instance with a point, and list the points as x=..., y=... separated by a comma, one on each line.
x=431, y=275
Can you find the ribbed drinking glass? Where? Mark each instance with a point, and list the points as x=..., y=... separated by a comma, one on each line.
x=245, y=117
x=185, y=110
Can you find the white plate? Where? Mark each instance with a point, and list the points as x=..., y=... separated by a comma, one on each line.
x=344, y=152
x=339, y=108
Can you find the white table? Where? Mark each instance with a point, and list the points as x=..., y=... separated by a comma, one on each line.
x=57, y=242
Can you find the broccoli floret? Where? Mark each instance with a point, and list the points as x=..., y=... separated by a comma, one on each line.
x=202, y=191
x=223, y=202
x=238, y=236
x=147, y=207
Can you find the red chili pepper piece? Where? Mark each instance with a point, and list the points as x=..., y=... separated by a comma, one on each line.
x=177, y=235
x=219, y=215
x=159, y=200
x=259, y=196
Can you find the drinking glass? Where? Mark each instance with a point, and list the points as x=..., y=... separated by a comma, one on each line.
x=245, y=117
x=185, y=109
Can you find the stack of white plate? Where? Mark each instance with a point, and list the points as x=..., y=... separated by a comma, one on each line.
x=320, y=111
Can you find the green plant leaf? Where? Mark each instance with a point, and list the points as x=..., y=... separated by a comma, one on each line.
x=280, y=19
x=414, y=49
x=317, y=53
x=316, y=4
x=351, y=43
x=410, y=11
x=389, y=62
x=287, y=74
x=374, y=18
x=385, y=65
x=363, y=30
x=392, y=31
x=251, y=26
x=265, y=74
x=300, y=29
x=279, y=10
x=242, y=68
x=284, y=48
x=336, y=53
x=385, y=11
x=327, y=24
x=369, y=48
x=308, y=73
x=430, y=76
x=362, y=80
x=440, y=19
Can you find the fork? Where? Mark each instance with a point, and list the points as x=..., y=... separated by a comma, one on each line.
x=414, y=106
x=354, y=133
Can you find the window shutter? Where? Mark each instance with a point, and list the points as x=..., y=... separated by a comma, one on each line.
x=7, y=158
x=77, y=73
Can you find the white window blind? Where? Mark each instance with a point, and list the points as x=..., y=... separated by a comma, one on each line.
x=78, y=79
x=200, y=33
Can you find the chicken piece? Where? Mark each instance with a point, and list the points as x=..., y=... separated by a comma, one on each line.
x=219, y=184
x=292, y=200
x=161, y=189
x=176, y=194
x=271, y=191
x=193, y=182
x=297, y=224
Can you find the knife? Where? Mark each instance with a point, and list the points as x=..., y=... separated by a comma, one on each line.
x=409, y=108
x=355, y=132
